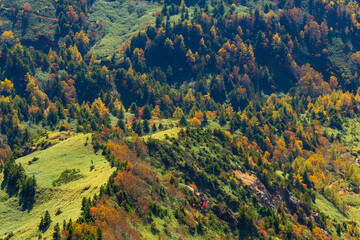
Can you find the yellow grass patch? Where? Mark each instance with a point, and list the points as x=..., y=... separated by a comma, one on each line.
x=68, y=154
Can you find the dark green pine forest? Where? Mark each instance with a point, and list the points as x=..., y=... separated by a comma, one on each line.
x=191, y=119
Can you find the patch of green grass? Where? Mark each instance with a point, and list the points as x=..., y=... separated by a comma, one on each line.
x=354, y=214
x=351, y=200
x=122, y=20
x=52, y=162
x=328, y=208
x=349, y=134
x=172, y=132
x=338, y=57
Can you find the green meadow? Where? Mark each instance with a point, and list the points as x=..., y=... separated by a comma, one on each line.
x=70, y=154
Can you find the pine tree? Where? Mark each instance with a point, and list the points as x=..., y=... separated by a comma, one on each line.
x=47, y=217
x=146, y=113
x=183, y=121
x=133, y=107
x=154, y=129
x=121, y=114
x=222, y=119
x=205, y=122
x=41, y=225
x=99, y=234
x=121, y=124
x=47, y=220
x=137, y=114
x=53, y=117
x=146, y=126
x=56, y=234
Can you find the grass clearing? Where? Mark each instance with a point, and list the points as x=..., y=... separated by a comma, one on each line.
x=351, y=200
x=338, y=56
x=354, y=214
x=171, y=133
x=328, y=208
x=349, y=134
x=122, y=20
x=51, y=163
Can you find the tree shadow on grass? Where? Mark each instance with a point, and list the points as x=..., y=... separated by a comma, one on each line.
x=27, y=202
x=11, y=190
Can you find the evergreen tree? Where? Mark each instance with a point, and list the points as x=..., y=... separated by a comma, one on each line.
x=205, y=122
x=45, y=221
x=137, y=114
x=60, y=108
x=41, y=225
x=53, y=117
x=121, y=114
x=222, y=119
x=121, y=124
x=56, y=234
x=146, y=126
x=133, y=107
x=146, y=113
x=154, y=129
x=183, y=121
x=27, y=194
x=99, y=234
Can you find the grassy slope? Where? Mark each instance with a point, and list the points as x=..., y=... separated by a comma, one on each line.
x=39, y=21
x=349, y=135
x=68, y=154
x=350, y=139
x=121, y=22
x=328, y=208
x=124, y=19
x=172, y=132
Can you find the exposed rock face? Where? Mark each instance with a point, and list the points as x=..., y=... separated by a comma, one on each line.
x=256, y=187
x=282, y=197
x=291, y=202
x=226, y=214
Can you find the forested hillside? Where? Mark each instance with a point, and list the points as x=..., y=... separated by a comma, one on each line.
x=213, y=119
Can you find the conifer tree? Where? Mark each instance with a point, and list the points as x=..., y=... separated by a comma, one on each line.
x=146, y=126
x=183, y=121
x=99, y=234
x=56, y=234
x=154, y=129
x=146, y=113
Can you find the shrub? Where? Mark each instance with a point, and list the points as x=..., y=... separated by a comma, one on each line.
x=67, y=176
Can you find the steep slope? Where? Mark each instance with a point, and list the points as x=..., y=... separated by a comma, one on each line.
x=118, y=22
x=65, y=155
x=32, y=22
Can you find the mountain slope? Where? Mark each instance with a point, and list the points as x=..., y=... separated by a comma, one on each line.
x=65, y=155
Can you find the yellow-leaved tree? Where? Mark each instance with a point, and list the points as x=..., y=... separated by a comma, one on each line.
x=195, y=122
x=34, y=92
x=99, y=106
x=7, y=37
x=6, y=86
x=178, y=113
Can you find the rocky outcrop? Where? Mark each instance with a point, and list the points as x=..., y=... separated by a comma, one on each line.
x=257, y=187
x=282, y=196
